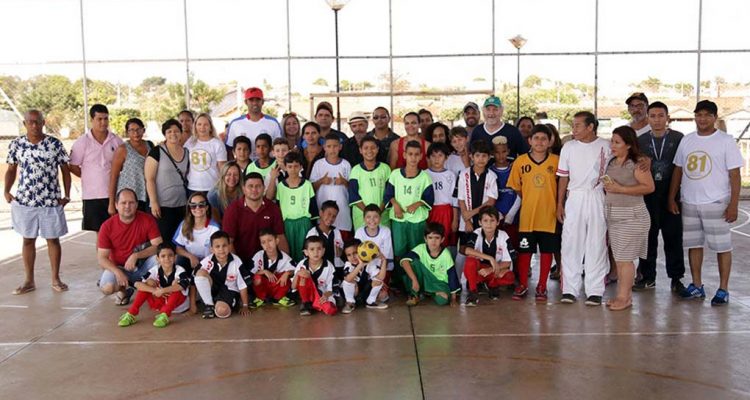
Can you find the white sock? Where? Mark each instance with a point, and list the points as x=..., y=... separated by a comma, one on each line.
x=373, y=297
x=348, y=288
x=204, y=289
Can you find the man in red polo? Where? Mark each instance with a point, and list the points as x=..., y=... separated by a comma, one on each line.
x=247, y=216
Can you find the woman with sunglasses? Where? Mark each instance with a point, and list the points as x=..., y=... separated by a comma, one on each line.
x=193, y=237
x=227, y=189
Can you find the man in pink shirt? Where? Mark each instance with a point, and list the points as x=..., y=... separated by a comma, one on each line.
x=91, y=160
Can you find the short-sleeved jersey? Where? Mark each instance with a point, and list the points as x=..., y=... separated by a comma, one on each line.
x=38, y=185
x=200, y=246
x=244, y=126
x=204, y=163
x=705, y=163
x=333, y=241
x=506, y=197
x=537, y=185
x=408, y=191
x=229, y=274
x=455, y=164
x=444, y=186
x=442, y=266
x=474, y=190
x=163, y=280
x=372, y=269
x=337, y=193
x=584, y=163
x=383, y=239
x=498, y=246
x=264, y=172
x=321, y=277
x=298, y=202
x=282, y=263
x=368, y=186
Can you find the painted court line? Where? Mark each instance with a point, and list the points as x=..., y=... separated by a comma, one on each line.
x=377, y=337
x=747, y=221
x=12, y=306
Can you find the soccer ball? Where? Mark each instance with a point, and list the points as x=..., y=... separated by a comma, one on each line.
x=367, y=251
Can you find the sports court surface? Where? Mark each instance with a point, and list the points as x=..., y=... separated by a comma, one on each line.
x=68, y=346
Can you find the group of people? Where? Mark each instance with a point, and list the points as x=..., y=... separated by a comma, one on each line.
x=270, y=213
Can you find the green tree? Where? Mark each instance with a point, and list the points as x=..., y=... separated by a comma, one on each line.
x=57, y=97
x=684, y=88
x=651, y=84
x=203, y=96
x=153, y=82
x=528, y=105
x=12, y=85
x=119, y=116
x=320, y=82
x=450, y=114
x=532, y=81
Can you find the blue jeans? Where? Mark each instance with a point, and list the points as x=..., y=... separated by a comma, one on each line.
x=142, y=267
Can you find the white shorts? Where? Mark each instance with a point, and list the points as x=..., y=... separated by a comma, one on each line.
x=705, y=224
x=32, y=222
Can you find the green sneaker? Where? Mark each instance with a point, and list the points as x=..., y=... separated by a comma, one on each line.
x=161, y=320
x=257, y=303
x=126, y=319
x=284, y=302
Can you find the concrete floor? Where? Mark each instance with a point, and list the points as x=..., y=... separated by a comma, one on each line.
x=64, y=346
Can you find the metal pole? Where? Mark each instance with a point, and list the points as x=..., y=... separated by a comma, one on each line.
x=85, y=84
x=288, y=60
x=493, y=47
x=187, y=58
x=518, y=84
x=338, y=88
x=700, y=35
x=596, y=58
x=390, y=54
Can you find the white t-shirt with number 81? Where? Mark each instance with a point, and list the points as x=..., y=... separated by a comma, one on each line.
x=204, y=163
x=705, y=163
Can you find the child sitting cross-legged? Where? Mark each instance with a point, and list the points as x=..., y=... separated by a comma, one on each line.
x=164, y=287
x=363, y=280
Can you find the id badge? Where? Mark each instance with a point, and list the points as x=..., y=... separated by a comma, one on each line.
x=658, y=176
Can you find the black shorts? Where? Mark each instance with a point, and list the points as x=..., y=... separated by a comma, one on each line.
x=547, y=242
x=94, y=214
x=227, y=296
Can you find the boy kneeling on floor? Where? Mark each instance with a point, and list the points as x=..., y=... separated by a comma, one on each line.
x=313, y=278
x=488, y=258
x=164, y=287
x=222, y=278
x=362, y=280
x=429, y=269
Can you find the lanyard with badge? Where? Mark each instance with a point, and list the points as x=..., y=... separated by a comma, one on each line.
x=658, y=176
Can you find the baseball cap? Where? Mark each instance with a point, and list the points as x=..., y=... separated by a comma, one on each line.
x=357, y=116
x=253, y=93
x=637, y=96
x=493, y=101
x=471, y=104
x=707, y=105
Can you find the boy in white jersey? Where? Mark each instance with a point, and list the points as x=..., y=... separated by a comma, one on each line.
x=272, y=270
x=330, y=178
x=222, y=278
x=445, y=207
x=313, y=279
x=381, y=236
x=363, y=280
x=583, y=162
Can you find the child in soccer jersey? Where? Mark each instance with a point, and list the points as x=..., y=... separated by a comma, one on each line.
x=429, y=269
x=264, y=163
x=313, y=279
x=271, y=270
x=375, y=232
x=508, y=202
x=367, y=183
x=533, y=178
x=296, y=199
x=409, y=194
x=460, y=159
x=334, y=245
x=330, y=178
x=363, y=280
x=488, y=256
x=445, y=207
x=222, y=279
x=278, y=172
x=241, y=152
x=164, y=287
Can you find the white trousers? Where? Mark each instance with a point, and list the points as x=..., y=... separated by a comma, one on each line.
x=584, y=238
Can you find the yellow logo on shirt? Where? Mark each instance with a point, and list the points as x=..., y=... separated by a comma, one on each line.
x=698, y=165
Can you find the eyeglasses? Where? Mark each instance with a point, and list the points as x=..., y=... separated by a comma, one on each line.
x=379, y=117
x=137, y=130
x=202, y=204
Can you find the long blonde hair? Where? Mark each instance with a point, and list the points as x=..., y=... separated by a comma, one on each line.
x=221, y=186
x=212, y=129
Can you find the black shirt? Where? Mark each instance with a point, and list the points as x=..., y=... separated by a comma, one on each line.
x=661, y=151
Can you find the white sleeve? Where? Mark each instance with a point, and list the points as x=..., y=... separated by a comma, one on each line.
x=347, y=169
x=329, y=277
x=491, y=185
x=679, y=155
x=285, y=263
x=461, y=184
x=733, y=156
x=257, y=262
x=153, y=274
x=513, y=209
x=240, y=282
x=316, y=173
x=311, y=232
x=387, y=248
x=502, y=241
x=563, y=167
x=221, y=151
x=206, y=263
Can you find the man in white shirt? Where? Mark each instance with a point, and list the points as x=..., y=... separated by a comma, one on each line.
x=707, y=173
x=253, y=123
x=583, y=162
x=637, y=108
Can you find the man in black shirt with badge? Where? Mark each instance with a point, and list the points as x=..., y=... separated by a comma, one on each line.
x=660, y=144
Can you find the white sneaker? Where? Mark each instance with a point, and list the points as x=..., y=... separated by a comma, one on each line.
x=348, y=308
x=377, y=306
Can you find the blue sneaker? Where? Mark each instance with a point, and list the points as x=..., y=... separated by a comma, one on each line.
x=693, y=292
x=721, y=298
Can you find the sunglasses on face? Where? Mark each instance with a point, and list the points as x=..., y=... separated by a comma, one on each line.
x=202, y=204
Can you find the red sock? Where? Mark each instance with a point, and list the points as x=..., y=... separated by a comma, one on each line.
x=524, y=263
x=545, y=264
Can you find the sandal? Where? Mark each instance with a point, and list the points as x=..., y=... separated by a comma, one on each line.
x=23, y=289
x=616, y=307
x=60, y=287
